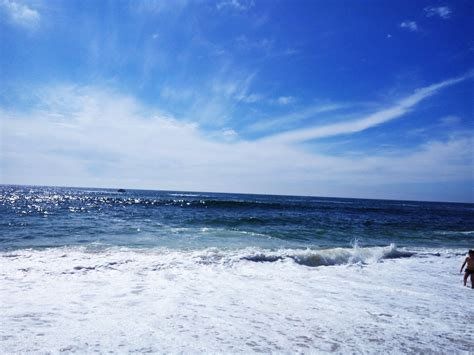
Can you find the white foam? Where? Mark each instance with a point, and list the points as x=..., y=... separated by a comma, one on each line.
x=212, y=300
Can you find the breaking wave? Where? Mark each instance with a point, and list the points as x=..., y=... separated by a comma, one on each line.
x=336, y=256
x=162, y=258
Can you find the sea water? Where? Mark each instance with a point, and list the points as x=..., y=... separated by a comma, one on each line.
x=85, y=270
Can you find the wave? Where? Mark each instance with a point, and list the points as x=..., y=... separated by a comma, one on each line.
x=163, y=258
x=336, y=256
x=453, y=233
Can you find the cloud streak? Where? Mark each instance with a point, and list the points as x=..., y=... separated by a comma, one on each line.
x=19, y=14
x=398, y=110
x=293, y=117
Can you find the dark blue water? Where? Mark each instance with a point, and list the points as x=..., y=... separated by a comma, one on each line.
x=32, y=217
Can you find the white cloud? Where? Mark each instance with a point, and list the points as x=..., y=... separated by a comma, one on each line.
x=409, y=25
x=86, y=136
x=455, y=152
x=241, y=5
x=366, y=122
x=19, y=14
x=293, y=117
x=236, y=88
x=214, y=102
x=449, y=120
x=229, y=134
x=442, y=11
x=285, y=100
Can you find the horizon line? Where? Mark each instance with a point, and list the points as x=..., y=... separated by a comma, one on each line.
x=240, y=193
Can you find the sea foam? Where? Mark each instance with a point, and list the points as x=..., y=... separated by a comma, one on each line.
x=369, y=300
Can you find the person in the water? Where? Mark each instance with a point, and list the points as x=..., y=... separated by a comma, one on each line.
x=469, y=269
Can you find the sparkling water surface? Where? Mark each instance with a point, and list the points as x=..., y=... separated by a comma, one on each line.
x=57, y=216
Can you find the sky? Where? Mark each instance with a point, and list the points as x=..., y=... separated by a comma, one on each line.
x=366, y=99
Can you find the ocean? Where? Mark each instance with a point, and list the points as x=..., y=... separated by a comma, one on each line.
x=97, y=270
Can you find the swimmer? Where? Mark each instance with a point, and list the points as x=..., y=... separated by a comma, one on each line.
x=470, y=268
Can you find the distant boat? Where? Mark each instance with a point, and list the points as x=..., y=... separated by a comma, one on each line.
x=121, y=190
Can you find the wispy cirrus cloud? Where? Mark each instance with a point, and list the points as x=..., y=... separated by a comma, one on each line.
x=443, y=12
x=411, y=26
x=20, y=14
x=293, y=118
x=241, y=5
x=399, y=109
x=92, y=136
x=214, y=102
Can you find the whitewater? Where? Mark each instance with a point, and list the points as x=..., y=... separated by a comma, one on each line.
x=359, y=300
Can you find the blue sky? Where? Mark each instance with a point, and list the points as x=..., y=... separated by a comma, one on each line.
x=331, y=98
